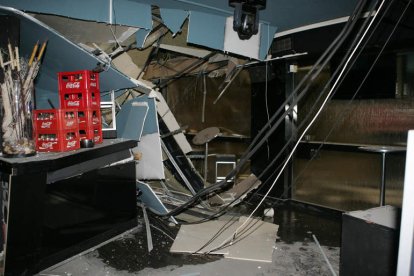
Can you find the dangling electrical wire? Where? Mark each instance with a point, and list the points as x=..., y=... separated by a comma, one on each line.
x=354, y=95
x=232, y=221
x=327, y=85
x=253, y=146
x=234, y=235
x=341, y=115
x=249, y=227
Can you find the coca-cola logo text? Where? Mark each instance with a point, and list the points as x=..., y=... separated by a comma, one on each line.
x=71, y=144
x=46, y=124
x=73, y=85
x=70, y=123
x=47, y=145
x=73, y=103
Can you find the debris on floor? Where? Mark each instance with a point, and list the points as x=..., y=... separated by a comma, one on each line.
x=255, y=243
x=292, y=250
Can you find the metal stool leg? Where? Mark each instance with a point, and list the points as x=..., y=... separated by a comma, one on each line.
x=382, y=191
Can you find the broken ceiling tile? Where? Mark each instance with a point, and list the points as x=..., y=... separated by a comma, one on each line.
x=150, y=166
x=191, y=238
x=173, y=18
x=256, y=246
x=149, y=145
x=140, y=36
x=131, y=118
x=138, y=120
x=151, y=200
x=258, y=243
x=206, y=29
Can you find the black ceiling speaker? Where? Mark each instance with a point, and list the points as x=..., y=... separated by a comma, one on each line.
x=246, y=16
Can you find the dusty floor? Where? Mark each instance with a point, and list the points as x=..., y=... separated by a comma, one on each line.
x=295, y=252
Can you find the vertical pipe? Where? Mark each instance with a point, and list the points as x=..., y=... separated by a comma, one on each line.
x=205, y=164
x=382, y=192
x=111, y=8
x=204, y=99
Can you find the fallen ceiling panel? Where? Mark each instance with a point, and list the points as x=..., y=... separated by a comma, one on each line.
x=256, y=245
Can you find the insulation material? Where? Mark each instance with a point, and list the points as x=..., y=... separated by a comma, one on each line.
x=125, y=64
x=167, y=116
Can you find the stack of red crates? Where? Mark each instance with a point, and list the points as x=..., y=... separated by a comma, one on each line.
x=79, y=116
x=56, y=130
x=80, y=90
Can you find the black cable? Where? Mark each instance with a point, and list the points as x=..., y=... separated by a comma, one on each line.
x=361, y=84
x=255, y=145
x=334, y=46
x=220, y=185
x=314, y=106
x=357, y=91
x=366, y=41
x=325, y=88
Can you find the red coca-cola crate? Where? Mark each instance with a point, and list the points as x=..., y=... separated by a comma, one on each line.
x=57, y=140
x=72, y=82
x=89, y=118
x=80, y=99
x=55, y=119
x=94, y=133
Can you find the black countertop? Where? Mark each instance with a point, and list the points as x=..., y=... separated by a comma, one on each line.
x=47, y=162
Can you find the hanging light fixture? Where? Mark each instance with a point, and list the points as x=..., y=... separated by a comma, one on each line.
x=246, y=16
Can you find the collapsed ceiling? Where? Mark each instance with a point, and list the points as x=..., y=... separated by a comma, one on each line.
x=209, y=22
